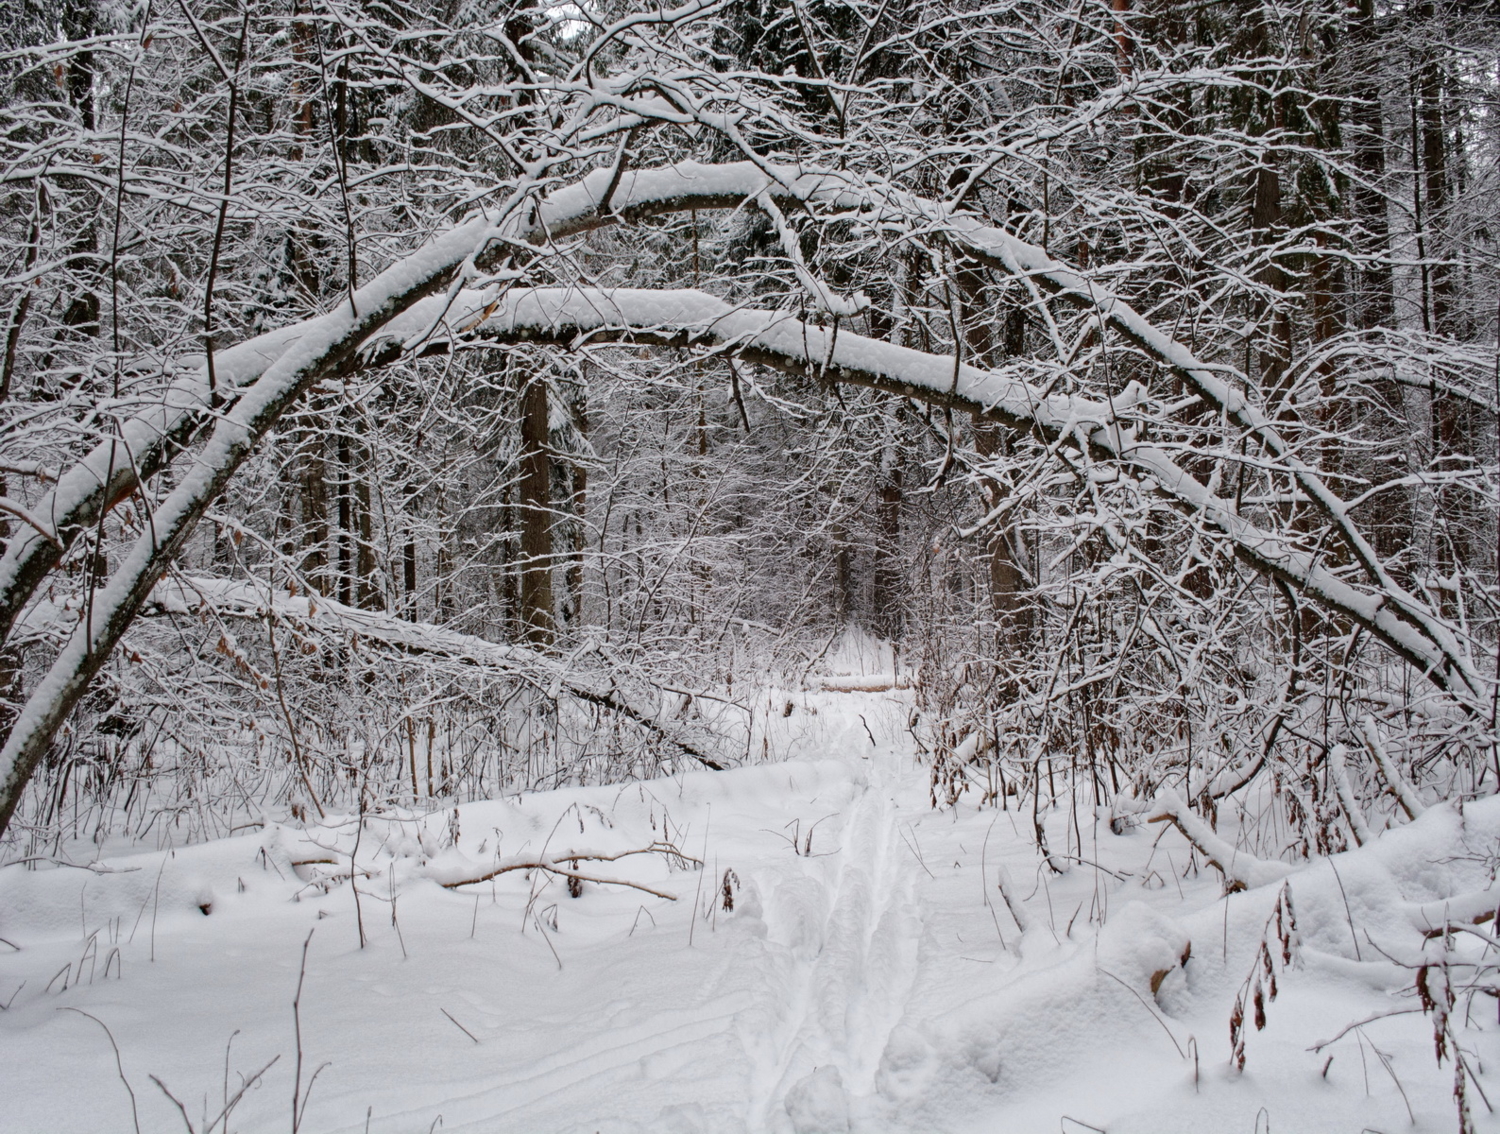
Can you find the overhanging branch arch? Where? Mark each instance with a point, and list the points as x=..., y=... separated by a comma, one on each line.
x=422, y=302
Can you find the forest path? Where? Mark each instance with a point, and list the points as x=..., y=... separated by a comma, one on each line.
x=875, y=985
x=848, y=922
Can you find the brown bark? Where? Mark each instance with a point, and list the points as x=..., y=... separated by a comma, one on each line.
x=1266, y=218
x=1325, y=285
x=1007, y=582
x=536, y=516
x=364, y=560
x=843, y=571
x=312, y=484
x=346, y=533
x=1013, y=615
x=1370, y=282
x=886, y=598
x=1454, y=428
x=580, y=471
x=409, y=575
x=1375, y=299
x=1434, y=144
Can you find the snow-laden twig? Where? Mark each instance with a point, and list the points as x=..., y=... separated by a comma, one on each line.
x=20, y=511
x=1339, y=774
x=1241, y=870
x=824, y=296
x=1405, y=794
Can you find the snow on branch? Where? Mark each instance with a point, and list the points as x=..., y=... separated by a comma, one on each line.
x=272, y=381
x=607, y=196
x=315, y=350
x=1405, y=794
x=576, y=316
x=1339, y=774
x=186, y=594
x=693, y=185
x=1241, y=870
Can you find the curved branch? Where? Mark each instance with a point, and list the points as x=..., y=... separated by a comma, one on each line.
x=322, y=347
x=610, y=196
x=412, y=638
x=779, y=340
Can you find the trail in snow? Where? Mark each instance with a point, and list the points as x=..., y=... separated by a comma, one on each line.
x=876, y=984
x=848, y=922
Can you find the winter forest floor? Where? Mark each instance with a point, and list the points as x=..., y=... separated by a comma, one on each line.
x=869, y=977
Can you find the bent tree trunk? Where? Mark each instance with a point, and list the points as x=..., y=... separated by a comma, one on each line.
x=325, y=345
x=392, y=311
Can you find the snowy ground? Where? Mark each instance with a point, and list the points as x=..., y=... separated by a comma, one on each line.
x=877, y=983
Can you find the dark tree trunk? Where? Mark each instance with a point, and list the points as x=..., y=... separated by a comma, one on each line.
x=347, y=534
x=1007, y=582
x=312, y=484
x=580, y=473
x=886, y=600
x=536, y=516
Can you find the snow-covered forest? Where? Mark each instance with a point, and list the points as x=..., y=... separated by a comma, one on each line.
x=1008, y=487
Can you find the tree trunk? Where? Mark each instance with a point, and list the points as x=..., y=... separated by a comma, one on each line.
x=312, y=493
x=536, y=516
x=1375, y=298
x=346, y=534
x=1459, y=534
x=1012, y=613
x=886, y=600
x=1007, y=582
x=367, y=589
x=580, y=473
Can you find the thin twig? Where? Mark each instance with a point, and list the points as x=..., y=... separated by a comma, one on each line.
x=135, y=1117
x=1148, y=1008
x=186, y=1121
x=297, y=1028
x=459, y=1026
x=1361, y=1023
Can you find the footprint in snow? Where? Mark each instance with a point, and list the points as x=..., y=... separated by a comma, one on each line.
x=817, y=1103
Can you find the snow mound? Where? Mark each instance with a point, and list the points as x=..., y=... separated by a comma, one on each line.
x=817, y=1104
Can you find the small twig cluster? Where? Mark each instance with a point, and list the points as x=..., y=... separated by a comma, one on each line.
x=1437, y=996
x=1260, y=985
x=565, y=865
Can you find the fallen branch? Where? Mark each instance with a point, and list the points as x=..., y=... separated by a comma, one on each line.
x=186, y=594
x=1434, y=918
x=862, y=683
x=1241, y=870
x=558, y=864
x=1405, y=794
x=92, y=867
x=1013, y=901
x=1341, y=788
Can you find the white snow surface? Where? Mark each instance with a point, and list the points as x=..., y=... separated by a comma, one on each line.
x=877, y=983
